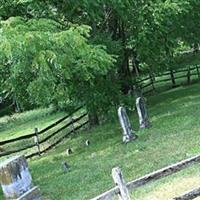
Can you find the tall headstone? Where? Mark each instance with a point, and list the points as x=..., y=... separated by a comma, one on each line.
x=16, y=180
x=142, y=113
x=128, y=133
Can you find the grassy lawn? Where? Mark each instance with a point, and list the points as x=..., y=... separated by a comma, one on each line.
x=23, y=124
x=174, y=136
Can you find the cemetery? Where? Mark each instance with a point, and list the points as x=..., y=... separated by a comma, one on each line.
x=89, y=168
x=99, y=100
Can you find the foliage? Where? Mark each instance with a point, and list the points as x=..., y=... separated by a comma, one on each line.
x=44, y=63
x=145, y=36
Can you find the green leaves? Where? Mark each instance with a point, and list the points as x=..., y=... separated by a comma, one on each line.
x=58, y=51
x=50, y=64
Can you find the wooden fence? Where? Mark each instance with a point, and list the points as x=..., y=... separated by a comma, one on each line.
x=122, y=189
x=40, y=141
x=168, y=79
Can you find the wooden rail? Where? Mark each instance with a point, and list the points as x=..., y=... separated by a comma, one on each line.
x=62, y=128
x=40, y=132
x=149, y=84
x=58, y=141
x=189, y=195
x=166, y=171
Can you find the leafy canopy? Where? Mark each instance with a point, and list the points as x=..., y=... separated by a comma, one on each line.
x=44, y=63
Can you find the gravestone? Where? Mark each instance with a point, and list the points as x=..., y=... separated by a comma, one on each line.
x=87, y=143
x=16, y=180
x=65, y=166
x=69, y=151
x=142, y=113
x=128, y=133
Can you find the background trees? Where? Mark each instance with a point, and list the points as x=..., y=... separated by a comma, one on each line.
x=90, y=52
x=47, y=63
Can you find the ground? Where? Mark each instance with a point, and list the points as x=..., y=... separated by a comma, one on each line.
x=174, y=136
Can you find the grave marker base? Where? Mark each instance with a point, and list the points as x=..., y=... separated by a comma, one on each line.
x=33, y=194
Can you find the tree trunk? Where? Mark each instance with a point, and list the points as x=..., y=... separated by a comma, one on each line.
x=135, y=63
x=17, y=106
x=118, y=32
x=124, y=71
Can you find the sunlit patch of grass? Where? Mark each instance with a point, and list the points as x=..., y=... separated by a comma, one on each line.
x=24, y=123
x=170, y=187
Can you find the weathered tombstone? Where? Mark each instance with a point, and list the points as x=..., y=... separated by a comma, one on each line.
x=16, y=180
x=65, y=166
x=142, y=113
x=128, y=133
x=69, y=151
x=87, y=143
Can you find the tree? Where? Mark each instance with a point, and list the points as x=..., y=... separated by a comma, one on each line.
x=47, y=63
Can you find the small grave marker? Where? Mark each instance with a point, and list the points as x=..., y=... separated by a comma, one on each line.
x=87, y=143
x=69, y=151
x=65, y=166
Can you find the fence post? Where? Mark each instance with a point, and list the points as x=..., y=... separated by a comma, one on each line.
x=119, y=181
x=72, y=121
x=198, y=73
x=36, y=141
x=172, y=78
x=188, y=76
x=151, y=76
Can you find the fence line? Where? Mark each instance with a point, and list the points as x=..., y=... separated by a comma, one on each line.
x=83, y=119
x=149, y=83
x=166, y=171
x=40, y=132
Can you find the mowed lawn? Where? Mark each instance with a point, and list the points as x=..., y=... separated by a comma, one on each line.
x=174, y=135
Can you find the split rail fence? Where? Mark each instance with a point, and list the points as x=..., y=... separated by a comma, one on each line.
x=168, y=79
x=122, y=188
x=41, y=141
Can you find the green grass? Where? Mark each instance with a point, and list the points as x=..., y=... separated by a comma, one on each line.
x=22, y=124
x=174, y=136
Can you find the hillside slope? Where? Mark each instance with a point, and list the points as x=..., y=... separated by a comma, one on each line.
x=174, y=136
